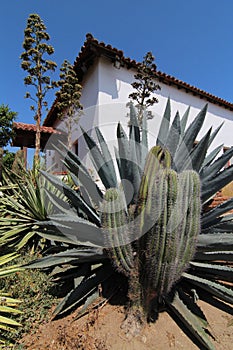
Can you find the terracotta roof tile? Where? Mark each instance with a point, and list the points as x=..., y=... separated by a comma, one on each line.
x=32, y=127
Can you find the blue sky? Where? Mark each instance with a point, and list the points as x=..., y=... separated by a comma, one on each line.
x=192, y=40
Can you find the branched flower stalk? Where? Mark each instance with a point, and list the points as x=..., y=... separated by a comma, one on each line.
x=36, y=64
x=145, y=85
x=69, y=98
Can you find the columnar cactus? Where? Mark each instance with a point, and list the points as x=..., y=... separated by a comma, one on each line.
x=114, y=221
x=172, y=209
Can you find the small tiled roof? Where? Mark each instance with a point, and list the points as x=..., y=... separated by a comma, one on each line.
x=25, y=135
x=32, y=127
x=93, y=49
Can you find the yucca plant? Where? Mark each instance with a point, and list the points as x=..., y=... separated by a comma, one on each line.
x=23, y=203
x=156, y=232
x=7, y=303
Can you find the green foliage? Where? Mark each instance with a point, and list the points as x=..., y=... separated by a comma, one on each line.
x=24, y=202
x=7, y=118
x=34, y=289
x=68, y=102
x=8, y=159
x=153, y=232
x=8, y=310
x=36, y=63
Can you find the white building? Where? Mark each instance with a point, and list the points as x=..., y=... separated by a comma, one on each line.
x=106, y=77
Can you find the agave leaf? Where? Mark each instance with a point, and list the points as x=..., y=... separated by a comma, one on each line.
x=173, y=138
x=210, y=217
x=188, y=139
x=191, y=321
x=79, y=174
x=68, y=154
x=209, y=172
x=123, y=161
x=198, y=153
x=75, y=228
x=135, y=164
x=218, y=271
x=60, y=204
x=144, y=143
x=77, y=255
x=214, y=133
x=74, y=197
x=209, y=159
x=164, y=126
x=183, y=121
x=215, y=242
x=106, y=153
x=215, y=255
x=90, y=300
x=190, y=301
x=84, y=290
x=108, y=177
x=134, y=124
x=123, y=151
x=214, y=288
x=212, y=186
x=53, y=234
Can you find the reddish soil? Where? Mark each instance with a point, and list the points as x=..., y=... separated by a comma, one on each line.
x=101, y=330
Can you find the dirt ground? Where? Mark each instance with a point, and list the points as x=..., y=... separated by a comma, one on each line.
x=102, y=330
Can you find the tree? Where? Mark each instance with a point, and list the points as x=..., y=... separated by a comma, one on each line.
x=36, y=64
x=7, y=118
x=8, y=159
x=145, y=85
x=69, y=98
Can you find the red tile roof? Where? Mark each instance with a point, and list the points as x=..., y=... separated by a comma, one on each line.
x=32, y=127
x=93, y=49
x=25, y=135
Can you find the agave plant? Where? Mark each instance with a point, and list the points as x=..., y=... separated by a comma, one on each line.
x=156, y=232
x=8, y=304
x=23, y=203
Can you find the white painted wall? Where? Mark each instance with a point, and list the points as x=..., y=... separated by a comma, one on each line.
x=105, y=95
x=115, y=86
x=89, y=118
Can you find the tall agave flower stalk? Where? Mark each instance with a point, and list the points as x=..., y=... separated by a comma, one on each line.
x=159, y=237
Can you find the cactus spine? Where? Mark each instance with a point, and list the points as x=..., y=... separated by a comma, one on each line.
x=117, y=236
x=169, y=205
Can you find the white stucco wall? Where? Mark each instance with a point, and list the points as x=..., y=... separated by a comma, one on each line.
x=115, y=86
x=105, y=95
x=88, y=118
